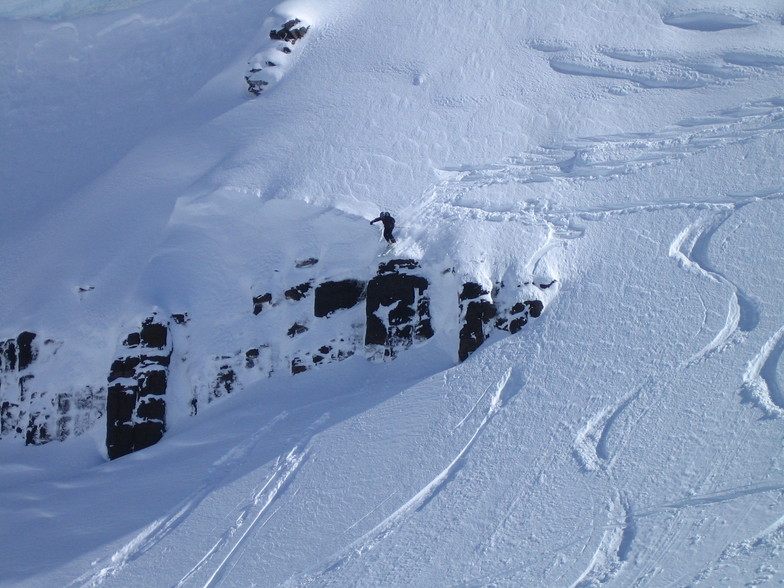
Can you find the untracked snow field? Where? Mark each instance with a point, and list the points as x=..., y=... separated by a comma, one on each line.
x=626, y=155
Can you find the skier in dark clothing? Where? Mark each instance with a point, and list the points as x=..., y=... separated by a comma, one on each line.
x=389, y=223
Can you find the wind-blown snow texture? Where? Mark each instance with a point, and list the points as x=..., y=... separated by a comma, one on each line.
x=627, y=153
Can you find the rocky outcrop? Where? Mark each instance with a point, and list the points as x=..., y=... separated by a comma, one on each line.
x=483, y=310
x=397, y=308
x=299, y=292
x=275, y=57
x=35, y=404
x=260, y=301
x=476, y=311
x=293, y=330
x=136, y=403
x=519, y=315
x=289, y=32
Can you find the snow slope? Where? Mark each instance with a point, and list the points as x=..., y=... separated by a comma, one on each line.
x=630, y=436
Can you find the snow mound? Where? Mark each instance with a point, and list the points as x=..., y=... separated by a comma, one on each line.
x=707, y=21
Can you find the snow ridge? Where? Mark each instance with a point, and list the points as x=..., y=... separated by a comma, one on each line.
x=614, y=155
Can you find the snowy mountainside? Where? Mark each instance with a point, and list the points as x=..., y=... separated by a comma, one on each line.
x=612, y=171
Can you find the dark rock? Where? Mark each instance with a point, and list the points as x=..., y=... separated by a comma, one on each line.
x=225, y=382
x=477, y=315
x=9, y=418
x=332, y=296
x=63, y=403
x=408, y=315
x=310, y=261
x=8, y=356
x=388, y=289
x=251, y=356
x=121, y=402
x=255, y=87
x=394, y=266
x=135, y=402
x=375, y=331
x=154, y=334
x=517, y=324
x=180, y=318
x=402, y=314
x=522, y=311
x=64, y=429
x=147, y=433
x=472, y=290
x=27, y=352
x=123, y=368
x=297, y=293
x=545, y=286
x=535, y=308
x=296, y=329
x=152, y=408
x=297, y=367
x=423, y=329
x=120, y=439
x=260, y=301
x=37, y=429
x=152, y=383
x=344, y=354
x=24, y=387
x=289, y=32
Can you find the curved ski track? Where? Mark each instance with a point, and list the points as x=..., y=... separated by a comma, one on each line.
x=602, y=157
x=584, y=159
x=760, y=382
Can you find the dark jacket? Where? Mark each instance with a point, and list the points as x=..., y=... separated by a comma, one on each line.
x=389, y=223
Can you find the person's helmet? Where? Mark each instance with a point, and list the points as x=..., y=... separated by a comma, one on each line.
x=385, y=214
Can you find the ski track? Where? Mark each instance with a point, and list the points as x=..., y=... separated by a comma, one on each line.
x=682, y=526
x=766, y=546
x=690, y=250
x=760, y=382
x=158, y=530
x=594, y=158
x=588, y=158
x=614, y=155
x=417, y=502
x=613, y=549
x=234, y=538
x=723, y=496
x=602, y=157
